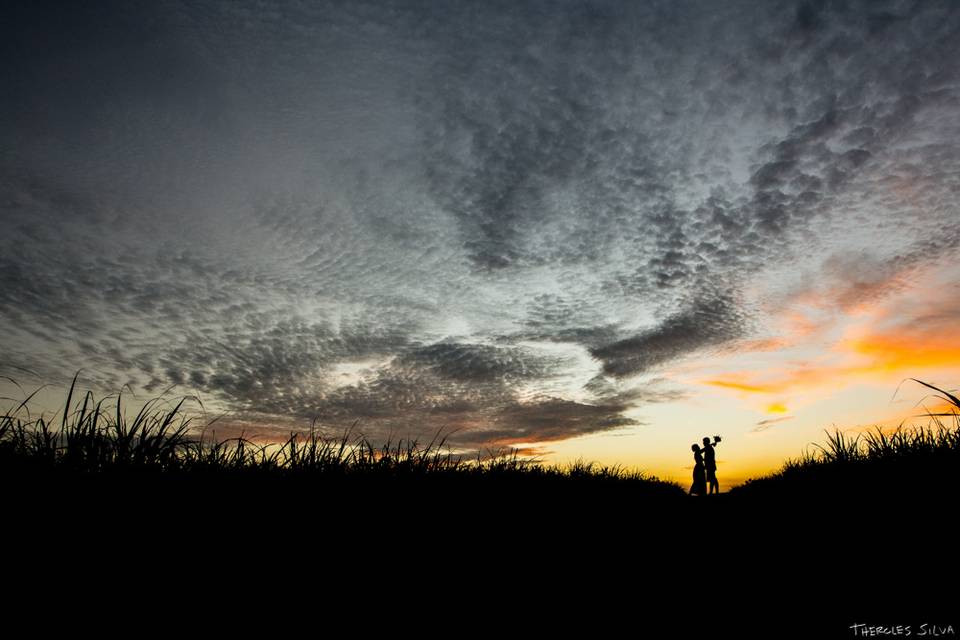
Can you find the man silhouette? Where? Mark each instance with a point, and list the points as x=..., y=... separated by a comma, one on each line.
x=710, y=462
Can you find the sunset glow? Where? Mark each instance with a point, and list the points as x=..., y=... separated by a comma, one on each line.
x=585, y=230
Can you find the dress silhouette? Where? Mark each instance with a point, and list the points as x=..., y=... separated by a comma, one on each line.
x=710, y=463
x=699, y=486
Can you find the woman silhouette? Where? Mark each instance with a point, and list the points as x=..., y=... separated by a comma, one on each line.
x=699, y=486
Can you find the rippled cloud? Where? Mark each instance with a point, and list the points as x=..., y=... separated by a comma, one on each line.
x=502, y=219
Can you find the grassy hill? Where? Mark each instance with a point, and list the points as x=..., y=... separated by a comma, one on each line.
x=914, y=462
x=849, y=533
x=92, y=441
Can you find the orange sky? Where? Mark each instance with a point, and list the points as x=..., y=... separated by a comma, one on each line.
x=832, y=359
x=834, y=355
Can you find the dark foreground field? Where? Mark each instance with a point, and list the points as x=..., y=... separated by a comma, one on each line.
x=862, y=532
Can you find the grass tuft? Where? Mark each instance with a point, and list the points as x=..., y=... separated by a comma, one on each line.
x=96, y=437
x=912, y=458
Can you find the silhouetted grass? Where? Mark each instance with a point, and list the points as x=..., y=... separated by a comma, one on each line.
x=94, y=438
x=915, y=460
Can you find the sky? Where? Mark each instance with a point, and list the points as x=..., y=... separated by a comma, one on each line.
x=584, y=230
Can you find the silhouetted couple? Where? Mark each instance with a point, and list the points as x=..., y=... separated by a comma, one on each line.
x=705, y=467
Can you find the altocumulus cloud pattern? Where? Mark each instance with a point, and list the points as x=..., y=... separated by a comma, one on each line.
x=499, y=217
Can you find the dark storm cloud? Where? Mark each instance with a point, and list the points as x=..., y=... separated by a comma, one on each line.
x=456, y=214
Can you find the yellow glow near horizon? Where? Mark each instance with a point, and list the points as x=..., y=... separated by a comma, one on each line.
x=832, y=365
x=829, y=366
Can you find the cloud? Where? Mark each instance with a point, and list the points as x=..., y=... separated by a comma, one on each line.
x=763, y=425
x=552, y=419
x=495, y=218
x=707, y=321
x=477, y=363
x=901, y=333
